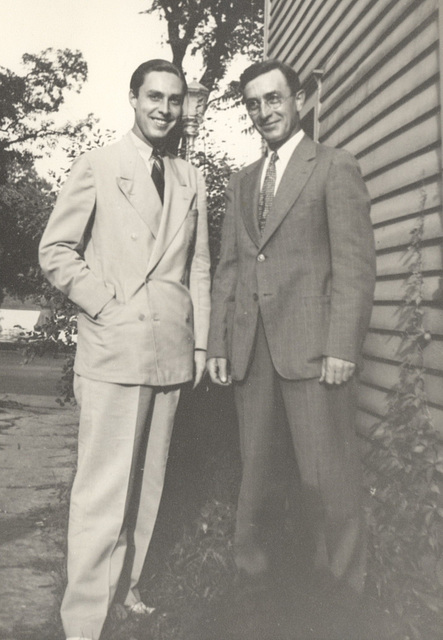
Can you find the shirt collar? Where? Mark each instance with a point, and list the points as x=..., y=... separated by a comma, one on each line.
x=287, y=149
x=143, y=147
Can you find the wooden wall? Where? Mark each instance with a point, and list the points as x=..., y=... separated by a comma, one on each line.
x=380, y=98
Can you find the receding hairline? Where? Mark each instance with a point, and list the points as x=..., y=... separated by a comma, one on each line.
x=266, y=66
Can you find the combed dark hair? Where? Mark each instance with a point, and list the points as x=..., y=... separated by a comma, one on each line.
x=138, y=77
x=259, y=68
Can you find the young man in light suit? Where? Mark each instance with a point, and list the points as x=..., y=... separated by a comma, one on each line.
x=128, y=243
x=291, y=303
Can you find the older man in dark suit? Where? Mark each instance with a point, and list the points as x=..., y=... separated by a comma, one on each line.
x=291, y=304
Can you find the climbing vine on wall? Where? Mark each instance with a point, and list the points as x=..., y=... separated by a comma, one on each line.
x=404, y=467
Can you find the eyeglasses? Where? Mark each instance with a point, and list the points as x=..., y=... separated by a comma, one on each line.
x=271, y=100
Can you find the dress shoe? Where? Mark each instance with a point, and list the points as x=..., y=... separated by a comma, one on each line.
x=140, y=609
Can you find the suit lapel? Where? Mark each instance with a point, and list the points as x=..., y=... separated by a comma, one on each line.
x=298, y=170
x=177, y=201
x=249, y=197
x=136, y=184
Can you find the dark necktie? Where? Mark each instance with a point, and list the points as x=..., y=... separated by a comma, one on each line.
x=158, y=172
x=267, y=192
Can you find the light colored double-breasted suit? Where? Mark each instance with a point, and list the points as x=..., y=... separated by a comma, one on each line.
x=139, y=272
x=109, y=237
x=281, y=302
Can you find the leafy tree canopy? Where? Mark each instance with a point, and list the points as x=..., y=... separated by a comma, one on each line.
x=24, y=208
x=218, y=29
x=28, y=103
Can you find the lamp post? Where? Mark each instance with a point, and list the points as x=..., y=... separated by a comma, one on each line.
x=193, y=111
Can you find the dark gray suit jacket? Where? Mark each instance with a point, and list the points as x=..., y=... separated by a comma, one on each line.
x=311, y=274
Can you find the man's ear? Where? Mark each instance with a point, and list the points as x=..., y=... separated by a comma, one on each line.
x=300, y=99
x=132, y=99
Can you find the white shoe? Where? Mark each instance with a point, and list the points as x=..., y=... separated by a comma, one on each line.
x=140, y=609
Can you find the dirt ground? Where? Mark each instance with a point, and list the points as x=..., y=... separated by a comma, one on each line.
x=37, y=458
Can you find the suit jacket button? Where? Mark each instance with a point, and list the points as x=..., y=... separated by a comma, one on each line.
x=141, y=316
x=134, y=236
x=255, y=296
x=261, y=257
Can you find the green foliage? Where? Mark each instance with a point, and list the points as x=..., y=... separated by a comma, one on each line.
x=58, y=333
x=404, y=469
x=28, y=103
x=24, y=206
x=199, y=570
x=217, y=169
x=201, y=563
x=91, y=138
x=217, y=29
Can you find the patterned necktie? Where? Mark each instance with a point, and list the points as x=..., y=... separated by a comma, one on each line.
x=267, y=192
x=158, y=172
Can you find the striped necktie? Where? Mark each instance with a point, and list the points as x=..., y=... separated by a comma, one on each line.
x=158, y=172
x=267, y=192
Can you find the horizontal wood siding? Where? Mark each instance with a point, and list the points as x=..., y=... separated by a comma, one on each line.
x=386, y=317
x=381, y=99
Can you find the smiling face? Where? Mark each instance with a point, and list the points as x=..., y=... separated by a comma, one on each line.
x=158, y=106
x=273, y=110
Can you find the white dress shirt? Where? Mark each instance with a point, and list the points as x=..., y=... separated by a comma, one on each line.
x=144, y=149
x=284, y=154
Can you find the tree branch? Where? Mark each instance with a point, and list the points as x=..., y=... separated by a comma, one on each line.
x=42, y=133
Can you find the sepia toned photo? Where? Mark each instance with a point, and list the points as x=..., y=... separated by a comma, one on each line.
x=221, y=320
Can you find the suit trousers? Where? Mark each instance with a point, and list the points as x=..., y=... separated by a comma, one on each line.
x=122, y=428
x=321, y=425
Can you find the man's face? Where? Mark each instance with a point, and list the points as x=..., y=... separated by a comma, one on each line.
x=158, y=106
x=273, y=110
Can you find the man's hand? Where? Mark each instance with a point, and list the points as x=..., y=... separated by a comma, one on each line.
x=335, y=370
x=218, y=370
x=199, y=366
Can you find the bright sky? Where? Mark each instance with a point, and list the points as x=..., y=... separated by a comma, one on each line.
x=114, y=39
